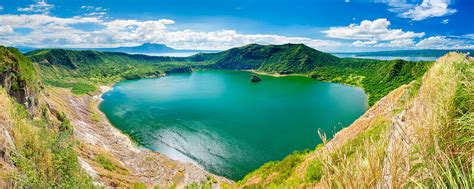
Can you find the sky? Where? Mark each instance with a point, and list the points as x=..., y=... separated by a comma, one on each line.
x=327, y=25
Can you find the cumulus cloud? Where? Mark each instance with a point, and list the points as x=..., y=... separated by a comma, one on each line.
x=359, y=43
x=446, y=42
x=371, y=30
x=426, y=9
x=41, y=6
x=5, y=30
x=397, y=43
x=50, y=31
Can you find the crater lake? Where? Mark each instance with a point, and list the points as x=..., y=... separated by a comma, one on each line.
x=225, y=123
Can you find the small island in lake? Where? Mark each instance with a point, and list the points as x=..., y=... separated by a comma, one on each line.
x=255, y=78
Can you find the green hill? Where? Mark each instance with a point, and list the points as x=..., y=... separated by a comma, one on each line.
x=377, y=77
x=84, y=70
x=289, y=58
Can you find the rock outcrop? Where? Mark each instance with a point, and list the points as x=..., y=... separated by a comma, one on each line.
x=255, y=78
x=19, y=77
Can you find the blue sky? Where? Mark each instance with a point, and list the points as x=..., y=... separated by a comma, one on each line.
x=328, y=25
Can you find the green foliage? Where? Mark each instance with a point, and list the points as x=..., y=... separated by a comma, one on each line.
x=105, y=162
x=139, y=186
x=46, y=159
x=82, y=71
x=377, y=77
x=18, y=75
x=314, y=172
x=280, y=170
x=82, y=88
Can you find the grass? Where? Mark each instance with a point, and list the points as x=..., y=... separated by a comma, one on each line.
x=105, y=162
x=358, y=163
x=43, y=157
x=277, y=172
x=314, y=171
x=446, y=151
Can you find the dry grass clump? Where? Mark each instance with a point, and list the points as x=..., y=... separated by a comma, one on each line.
x=427, y=144
x=442, y=118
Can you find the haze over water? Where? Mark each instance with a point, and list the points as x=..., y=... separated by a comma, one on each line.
x=226, y=124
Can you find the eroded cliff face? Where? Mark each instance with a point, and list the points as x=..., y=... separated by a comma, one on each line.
x=19, y=77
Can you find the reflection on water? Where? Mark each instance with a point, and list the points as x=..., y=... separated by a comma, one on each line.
x=227, y=124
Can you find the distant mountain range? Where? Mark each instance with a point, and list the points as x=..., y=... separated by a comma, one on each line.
x=145, y=48
x=411, y=53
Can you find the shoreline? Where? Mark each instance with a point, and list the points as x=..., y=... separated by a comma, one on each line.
x=98, y=135
x=274, y=74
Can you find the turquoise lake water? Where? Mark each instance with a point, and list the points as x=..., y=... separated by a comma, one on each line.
x=227, y=124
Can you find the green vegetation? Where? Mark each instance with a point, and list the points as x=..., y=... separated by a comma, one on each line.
x=82, y=71
x=43, y=154
x=314, y=171
x=279, y=171
x=105, y=162
x=17, y=75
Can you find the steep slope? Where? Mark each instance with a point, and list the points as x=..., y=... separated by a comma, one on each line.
x=36, y=140
x=18, y=76
x=418, y=135
x=62, y=141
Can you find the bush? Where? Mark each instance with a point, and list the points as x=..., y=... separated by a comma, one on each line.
x=314, y=172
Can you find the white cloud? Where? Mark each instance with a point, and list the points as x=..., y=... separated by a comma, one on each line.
x=5, y=30
x=398, y=43
x=50, y=31
x=445, y=21
x=92, y=8
x=469, y=36
x=445, y=42
x=41, y=6
x=1, y=7
x=93, y=11
x=426, y=9
x=359, y=43
x=371, y=30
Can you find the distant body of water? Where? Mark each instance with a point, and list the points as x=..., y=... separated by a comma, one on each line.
x=176, y=54
x=227, y=124
x=407, y=58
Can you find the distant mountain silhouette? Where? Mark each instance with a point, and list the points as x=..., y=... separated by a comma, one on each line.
x=144, y=48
